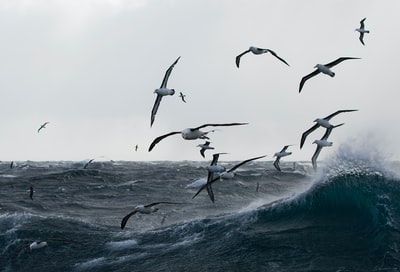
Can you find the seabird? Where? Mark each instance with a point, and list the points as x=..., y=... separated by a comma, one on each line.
x=182, y=96
x=162, y=91
x=144, y=209
x=204, y=147
x=192, y=133
x=362, y=30
x=258, y=51
x=323, y=142
x=42, y=126
x=31, y=192
x=324, y=122
x=323, y=68
x=11, y=164
x=136, y=147
x=87, y=164
x=225, y=175
x=213, y=168
x=279, y=155
x=37, y=245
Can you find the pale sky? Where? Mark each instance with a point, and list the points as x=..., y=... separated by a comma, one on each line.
x=90, y=69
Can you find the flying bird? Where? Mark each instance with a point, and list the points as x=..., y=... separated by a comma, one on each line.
x=362, y=30
x=204, y=147
x=225, y=175
x=42, y=126
x=87, y=164
x=144, y=209
x=323, y=142
x=324, y=122
x=279, y=155
x=192, y=133
x=212, y=169
x=162, y=91
x=258, y=51
x=136, y=147
x=323, y=68
x=31, y=192
x=182, y=96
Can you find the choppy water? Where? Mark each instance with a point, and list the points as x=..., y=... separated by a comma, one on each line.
x=345, y=217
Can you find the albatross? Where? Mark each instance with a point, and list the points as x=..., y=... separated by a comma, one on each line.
x=323, y=68
x=162, y=91
x=224, y=175
x=42, y=126
x=323, y=142
x=212, y=169
x=258, y=51
x=362, y=30
x=279, y=155
x=192, y=133
x=324, y=122
x=144, y=209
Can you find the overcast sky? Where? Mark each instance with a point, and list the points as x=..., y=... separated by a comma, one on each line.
x=90, y=69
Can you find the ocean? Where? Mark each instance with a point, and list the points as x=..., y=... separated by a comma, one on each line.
x=343, y=217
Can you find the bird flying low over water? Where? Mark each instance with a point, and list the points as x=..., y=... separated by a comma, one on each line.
x=362, y=30
x=224, y=175
x=192, y=133
x=42, y=126
x=204, y=147
x=212, y=169
x=324, y=122
x=279, y=155
x=323, y=142
x=31, y=190
x=323, y=68
x=162, y=91
x=144, y=209
x=258, y=51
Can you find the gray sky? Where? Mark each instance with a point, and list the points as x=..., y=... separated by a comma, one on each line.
x=90, y=68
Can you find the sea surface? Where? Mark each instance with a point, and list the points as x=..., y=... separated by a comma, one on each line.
x=343, y=217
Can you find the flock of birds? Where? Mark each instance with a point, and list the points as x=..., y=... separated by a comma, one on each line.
x=215, y=171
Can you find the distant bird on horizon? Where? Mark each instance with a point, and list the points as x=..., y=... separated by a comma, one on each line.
x=136, y=147
x=229, y=174
x=362, y=31
x=42, y=126
x=323, y=68
x=144, y=209
x=192, y=133
x=323, y=142
x=204, y=147
x=162, y=91
x=87, y=164
x=324, y=122
x=182, y=96
x=258, y=51
x=279, y=155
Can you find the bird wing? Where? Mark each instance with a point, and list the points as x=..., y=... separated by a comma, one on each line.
x=329, y=130
x=202, y=152
x=215, y=159
x=243, y=162
x=336, y=113
x=161, y=202
x=158, y=139
x=126, y=218
x=284, y=148
x=362, y=23
x=305, y=134
x=276, y=164
x=239, y=56
x=274, y=54
x=155, y=108
x=339, y=60
x=361, y=38
x=167, y=73
x=315, y=156
x=210, y=191
x=307, y=77
x=219, y=125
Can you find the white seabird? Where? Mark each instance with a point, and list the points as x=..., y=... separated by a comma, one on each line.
x=204, y=147
x=192, y=133
x=258, y=51
x=323, y=68
x=144, y=209
x=362, y=30
x=324, y=122
x=279, y=155
x=225, y=175
x=37, y=245
x=162, y=91
x=323, y=142
x=42, y=126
